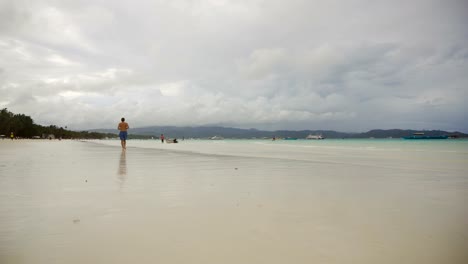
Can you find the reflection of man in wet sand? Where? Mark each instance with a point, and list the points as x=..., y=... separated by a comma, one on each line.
x=122, y=164
x=122, y=172
x=123, y=127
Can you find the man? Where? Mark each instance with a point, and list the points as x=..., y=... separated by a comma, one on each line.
x=123, y=127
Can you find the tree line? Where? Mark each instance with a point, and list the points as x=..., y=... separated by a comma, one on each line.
x=23, y=126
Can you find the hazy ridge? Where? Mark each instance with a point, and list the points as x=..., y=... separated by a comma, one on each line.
x=229, y=132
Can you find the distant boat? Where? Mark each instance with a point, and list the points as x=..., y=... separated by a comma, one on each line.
x=420, y=135
x=310, y=136
x=216, y=138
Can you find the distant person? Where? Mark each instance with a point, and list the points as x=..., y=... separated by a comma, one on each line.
x=12, y=136
x=123, y=127
x=162, y=138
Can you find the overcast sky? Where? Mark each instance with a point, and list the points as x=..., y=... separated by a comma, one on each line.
x=349, y=65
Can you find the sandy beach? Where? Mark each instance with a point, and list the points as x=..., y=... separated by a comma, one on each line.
x=233, y=202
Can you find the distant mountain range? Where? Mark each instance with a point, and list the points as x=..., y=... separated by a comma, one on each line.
x=229, y=132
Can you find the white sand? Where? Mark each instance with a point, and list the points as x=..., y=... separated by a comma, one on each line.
x=82, y=202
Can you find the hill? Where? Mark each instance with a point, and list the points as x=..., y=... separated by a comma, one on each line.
x=228, y=132
x=23, y=126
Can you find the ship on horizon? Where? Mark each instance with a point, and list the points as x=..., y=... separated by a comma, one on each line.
x=310, y=136
x=420, y=135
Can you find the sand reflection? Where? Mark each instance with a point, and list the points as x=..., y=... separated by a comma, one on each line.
x=122, y=171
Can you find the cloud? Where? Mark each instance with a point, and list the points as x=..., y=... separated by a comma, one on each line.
x=348, y=66
x=263, y=62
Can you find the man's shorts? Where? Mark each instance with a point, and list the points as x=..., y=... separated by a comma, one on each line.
x=123, y=135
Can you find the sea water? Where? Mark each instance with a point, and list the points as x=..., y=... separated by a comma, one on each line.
x=419, y=154
x=234, y=201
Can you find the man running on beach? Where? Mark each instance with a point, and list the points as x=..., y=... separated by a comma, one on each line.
x=123, y=127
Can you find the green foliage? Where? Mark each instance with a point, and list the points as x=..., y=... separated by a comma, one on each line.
x=23, y=127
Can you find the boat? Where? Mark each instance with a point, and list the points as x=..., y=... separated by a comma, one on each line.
x=216, y=138
x=420, y=135
x=310, y=136
x=172, y=140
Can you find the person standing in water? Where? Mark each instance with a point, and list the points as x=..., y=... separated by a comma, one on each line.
x=162, y=138
x=123, y=127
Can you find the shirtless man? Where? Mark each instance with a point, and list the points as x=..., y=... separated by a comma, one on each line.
x=123, y=127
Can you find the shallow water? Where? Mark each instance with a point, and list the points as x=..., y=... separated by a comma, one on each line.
x=234, y=201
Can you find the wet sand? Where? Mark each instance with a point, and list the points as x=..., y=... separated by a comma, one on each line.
x=82, y=202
